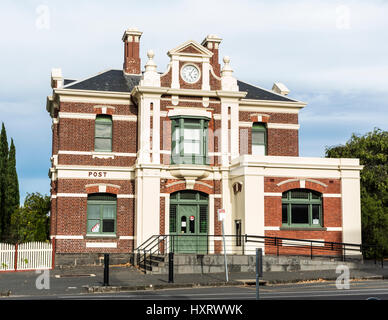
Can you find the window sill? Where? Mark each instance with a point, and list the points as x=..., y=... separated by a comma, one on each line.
x=101, y=236
x=304, y=228
x=103, y=155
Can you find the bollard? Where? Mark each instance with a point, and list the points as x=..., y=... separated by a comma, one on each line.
x=171, y=267
x=259, y=269
x=106, y=269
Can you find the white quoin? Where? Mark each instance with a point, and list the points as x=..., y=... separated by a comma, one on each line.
x=228, y=82
x=150, y=77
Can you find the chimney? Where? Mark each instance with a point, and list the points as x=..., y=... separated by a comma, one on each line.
x=212, y=42
x=56, y=78
x=131, y=40
x=280, y=88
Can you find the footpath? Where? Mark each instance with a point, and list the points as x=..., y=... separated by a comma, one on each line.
x=89, y=279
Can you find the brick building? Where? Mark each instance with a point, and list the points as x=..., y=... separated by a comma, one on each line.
x=140, y=152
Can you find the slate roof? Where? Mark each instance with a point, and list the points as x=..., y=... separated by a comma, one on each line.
x=67, y=81
x=117, y=81
x=111, y=80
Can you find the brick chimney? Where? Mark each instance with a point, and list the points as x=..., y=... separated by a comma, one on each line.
x=131, y=40
x=212, y=42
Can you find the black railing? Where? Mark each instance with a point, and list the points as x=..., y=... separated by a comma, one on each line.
x=247, y=244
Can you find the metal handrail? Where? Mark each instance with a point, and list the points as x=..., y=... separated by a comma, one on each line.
x=153, y=244
x=144, y=243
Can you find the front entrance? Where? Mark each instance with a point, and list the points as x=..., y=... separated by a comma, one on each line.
x=189, y=222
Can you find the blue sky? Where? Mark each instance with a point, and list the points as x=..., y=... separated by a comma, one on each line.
x=332, y=55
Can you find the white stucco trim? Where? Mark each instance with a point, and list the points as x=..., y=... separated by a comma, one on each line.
x=331, y=195
x=95, y=154
x=272, y=194
x=246, y=124
x=189, y=112
x=266, y=109
x=101, y=244
x=271, y=228
x=285, y=126
x=67, y=237
x=119, y=117
x=92, y=116
x=126, y=237
x=334, y=229
x=72, y=195
x=75, y=115
x=291, y=243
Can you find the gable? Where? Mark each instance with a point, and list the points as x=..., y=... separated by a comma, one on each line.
x=191, y=48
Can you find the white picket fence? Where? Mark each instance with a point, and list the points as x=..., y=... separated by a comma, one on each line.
x=7, y=257
x=28, y=256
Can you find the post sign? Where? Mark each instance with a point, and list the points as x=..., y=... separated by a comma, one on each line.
x=221, y=214
x=191, y=218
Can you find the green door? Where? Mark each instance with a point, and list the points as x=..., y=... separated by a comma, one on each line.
x=188, y=222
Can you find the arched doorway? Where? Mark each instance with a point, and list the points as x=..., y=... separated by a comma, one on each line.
x=189, y=221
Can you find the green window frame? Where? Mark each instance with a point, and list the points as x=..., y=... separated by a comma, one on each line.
x=101, y=214
x=189, y=140
x=103, y=133
x=259, y=139
x=302, y=208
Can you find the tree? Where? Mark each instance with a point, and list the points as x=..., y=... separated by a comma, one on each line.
x=31, y=221
x=372, y=150
x=12, y=197
x=3, y=177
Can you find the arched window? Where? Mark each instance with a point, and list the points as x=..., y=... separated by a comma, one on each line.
x=259, y=139
x=302, y=208
x=101, y=214
x=103, y=133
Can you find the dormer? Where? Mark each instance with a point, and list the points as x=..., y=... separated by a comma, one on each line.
x=190, y=66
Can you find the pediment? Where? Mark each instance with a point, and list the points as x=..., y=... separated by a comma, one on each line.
x=191, y=48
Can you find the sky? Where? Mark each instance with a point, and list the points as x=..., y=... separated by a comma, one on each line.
x=333, y=55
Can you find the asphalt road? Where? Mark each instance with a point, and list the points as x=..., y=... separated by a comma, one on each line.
x=327, y=290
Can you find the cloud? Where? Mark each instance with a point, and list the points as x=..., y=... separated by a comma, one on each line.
x=331, y=55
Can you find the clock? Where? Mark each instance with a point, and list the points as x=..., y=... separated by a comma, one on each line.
x=190, y=73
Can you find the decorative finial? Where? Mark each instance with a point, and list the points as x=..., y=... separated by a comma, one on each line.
x=150, y=54
x=228, y=82
x=150, y=65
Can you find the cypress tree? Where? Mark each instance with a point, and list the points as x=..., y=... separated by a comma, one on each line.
x=12, y=197
x=3, y=176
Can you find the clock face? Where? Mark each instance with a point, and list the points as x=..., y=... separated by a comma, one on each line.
x=190, y=73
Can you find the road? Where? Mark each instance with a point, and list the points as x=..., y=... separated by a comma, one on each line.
x=327, y=290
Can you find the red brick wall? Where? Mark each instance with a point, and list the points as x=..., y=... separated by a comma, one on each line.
x=332, y=236
x=73, y=221
x=331, y=212
x=78, y=107
x=78, y=135
x=282, y=142
x=78, y=185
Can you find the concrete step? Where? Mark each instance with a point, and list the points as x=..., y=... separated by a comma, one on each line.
x=192, y=263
